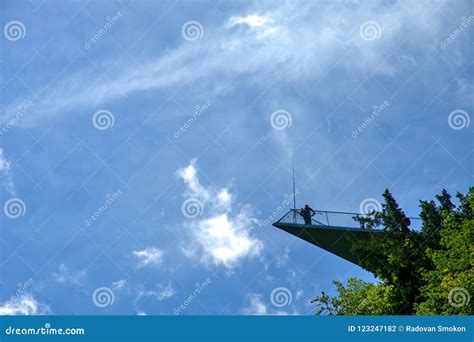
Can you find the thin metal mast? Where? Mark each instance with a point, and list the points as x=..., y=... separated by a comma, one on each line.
x=294, y=187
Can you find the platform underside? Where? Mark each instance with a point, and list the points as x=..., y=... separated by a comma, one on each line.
x=334, y=239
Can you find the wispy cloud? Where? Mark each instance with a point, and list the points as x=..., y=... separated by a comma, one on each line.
x=253, y=20
x=256, y=306
x=332, y=31
x=119, y=284
x=281, y=259
x=25, y=305
x=307, y=58
x=223, y=231
x=159, y=293
x=5, y=169
x=65, y=275
x=149, y=257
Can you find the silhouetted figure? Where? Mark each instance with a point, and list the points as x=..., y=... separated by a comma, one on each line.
x=307, y=212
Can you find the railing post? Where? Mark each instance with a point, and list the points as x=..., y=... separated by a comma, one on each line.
x=327, y=218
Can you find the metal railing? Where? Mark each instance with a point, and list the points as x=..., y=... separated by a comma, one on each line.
x=327, y=218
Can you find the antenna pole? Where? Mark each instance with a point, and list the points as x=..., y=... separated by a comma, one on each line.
x=294, y=187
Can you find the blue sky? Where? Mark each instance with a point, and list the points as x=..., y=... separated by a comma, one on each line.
x=145, y=145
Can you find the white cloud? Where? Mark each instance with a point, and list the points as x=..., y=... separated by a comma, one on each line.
x=160, y=293
x=25, y=305
x=255, y=307
x=308, y=35
x=65, y=275
x=164, y=292
x=223, y=231
x=252, y=20
x=119, y=284
x=4, y=164
x=150, y=256
x=189, y=175
x=282, y=259
x=5, y=169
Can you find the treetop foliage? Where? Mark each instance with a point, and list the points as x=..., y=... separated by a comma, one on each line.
x=427, y=272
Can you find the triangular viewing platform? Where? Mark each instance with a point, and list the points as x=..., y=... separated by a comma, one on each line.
x=331, y=230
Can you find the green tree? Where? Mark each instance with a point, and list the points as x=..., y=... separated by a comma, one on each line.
x=432, y=223
x=394, y=257
x=357, y=298
x=421, y=272
x=450, y=283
